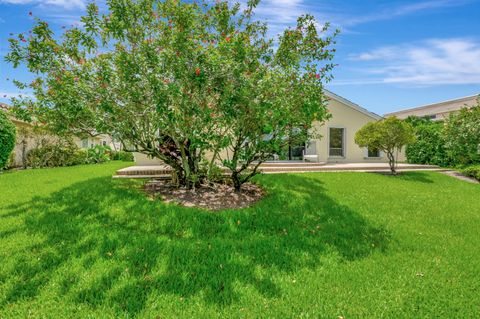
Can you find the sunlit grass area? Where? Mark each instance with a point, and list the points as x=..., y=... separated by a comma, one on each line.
x=74, y=243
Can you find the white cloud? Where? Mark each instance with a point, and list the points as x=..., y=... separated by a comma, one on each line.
x=67, y=4
x=283, y=13
x=403, y=10
x=431, y=62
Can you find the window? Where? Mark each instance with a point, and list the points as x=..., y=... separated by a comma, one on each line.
x=104, y=143
x=337, y=141
x=373, y=152
x=85, y=143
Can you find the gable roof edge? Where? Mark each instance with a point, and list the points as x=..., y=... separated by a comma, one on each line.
x=352, y=105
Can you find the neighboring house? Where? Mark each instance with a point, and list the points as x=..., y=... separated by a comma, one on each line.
x=337, y=141
x=26, y=140
x=103, y=139
x=437, y=111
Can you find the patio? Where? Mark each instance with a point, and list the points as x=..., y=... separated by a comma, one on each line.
x=159, y=171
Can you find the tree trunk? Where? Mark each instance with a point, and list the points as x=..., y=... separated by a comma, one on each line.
x=24, y=154
x=392, y=163
x=237, y=183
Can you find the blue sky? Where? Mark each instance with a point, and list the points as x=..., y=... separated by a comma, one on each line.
x=390, y=54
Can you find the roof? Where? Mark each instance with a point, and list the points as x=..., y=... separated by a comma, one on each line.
x=4, y=106
x=352, y=105
x=446, y=103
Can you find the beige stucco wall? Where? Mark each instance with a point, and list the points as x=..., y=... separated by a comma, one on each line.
x=23, y=135
x=144, y=160
x=351, y=120
x=342, y=116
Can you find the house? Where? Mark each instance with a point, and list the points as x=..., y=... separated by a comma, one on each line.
x=27, y=140
x=437, y=111
x=102, y=139
x=336, y=143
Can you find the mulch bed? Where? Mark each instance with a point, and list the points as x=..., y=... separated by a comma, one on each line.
x=211, y=197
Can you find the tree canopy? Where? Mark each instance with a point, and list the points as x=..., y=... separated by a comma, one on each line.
x=174, y=80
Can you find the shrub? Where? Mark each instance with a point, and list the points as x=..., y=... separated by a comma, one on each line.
x=80, y=157
x=472, y=171
x=429, y=147
x=11, y=161
x=7, y=139
x=122, y=156
x=462, y=135
x=98, y=154
x=55, y=153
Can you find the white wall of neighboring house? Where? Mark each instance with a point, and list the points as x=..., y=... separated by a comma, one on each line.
x=437, y=111
x=104, y=140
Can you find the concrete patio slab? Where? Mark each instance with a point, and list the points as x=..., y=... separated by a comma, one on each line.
x=163, y=171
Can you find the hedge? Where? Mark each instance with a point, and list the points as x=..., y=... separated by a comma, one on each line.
x=472, y=171
x=8, y=134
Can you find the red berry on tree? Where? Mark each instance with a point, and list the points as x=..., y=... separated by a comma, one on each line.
x=197, y=71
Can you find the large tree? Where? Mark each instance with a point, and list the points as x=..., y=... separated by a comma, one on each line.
x=388, y=135
x=174, y=80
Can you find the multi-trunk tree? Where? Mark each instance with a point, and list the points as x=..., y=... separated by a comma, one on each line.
x=176, y=80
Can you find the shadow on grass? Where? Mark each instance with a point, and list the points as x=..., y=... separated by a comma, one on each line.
x=130, y=248
x=409, y=176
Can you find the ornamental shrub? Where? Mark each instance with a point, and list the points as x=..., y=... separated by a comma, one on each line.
x=98, y=154
x=122, y=156
x=7, y=139
x=55, y=153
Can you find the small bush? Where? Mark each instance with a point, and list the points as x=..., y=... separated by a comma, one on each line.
x=11, y=161
x=80, y=157
x=98, y=154
x=122, y=156
x=472, y=171
x=53, y=154
x=7, y=139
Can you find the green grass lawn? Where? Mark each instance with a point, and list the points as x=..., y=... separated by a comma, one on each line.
x=75, y=243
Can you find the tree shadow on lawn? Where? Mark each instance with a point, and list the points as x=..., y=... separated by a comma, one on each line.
x=130, y=248
x=409, y=176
